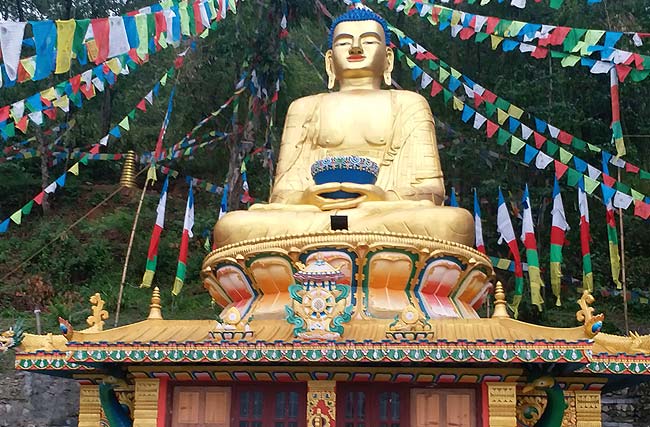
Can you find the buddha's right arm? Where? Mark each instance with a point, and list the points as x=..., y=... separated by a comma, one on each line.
x=293, y=174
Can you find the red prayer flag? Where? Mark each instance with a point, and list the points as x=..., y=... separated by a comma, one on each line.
x=608, y=180
x=565, y=138
x=539, y=139
x=101, y=32
x=560, y=169
x=491, y=128
x=539, y=52
x=641, y=209
x=39, y=198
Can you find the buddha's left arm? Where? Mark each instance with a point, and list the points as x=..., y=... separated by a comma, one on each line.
x=418, y=163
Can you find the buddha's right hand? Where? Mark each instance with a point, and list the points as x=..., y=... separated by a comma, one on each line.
x=368, y=192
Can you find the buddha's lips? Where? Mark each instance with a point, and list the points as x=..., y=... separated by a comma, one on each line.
x=356, y=58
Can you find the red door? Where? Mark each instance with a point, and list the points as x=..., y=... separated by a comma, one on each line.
x=372, y=405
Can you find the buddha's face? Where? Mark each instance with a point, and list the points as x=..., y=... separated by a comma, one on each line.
x=358, y=50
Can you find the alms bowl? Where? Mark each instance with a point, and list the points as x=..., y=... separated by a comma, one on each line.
x=353, y=169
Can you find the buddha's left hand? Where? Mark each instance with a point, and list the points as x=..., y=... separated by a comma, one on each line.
x=368, y=193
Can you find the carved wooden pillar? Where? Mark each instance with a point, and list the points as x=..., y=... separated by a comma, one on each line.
x=502, y=404
x=321, y=404
x=588, y=410
x=89, y=406
x=146, y=402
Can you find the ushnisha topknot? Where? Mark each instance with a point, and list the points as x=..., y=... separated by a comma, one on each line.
x=354, y=15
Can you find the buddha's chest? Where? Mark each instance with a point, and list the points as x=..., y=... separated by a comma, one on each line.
x=348, y=121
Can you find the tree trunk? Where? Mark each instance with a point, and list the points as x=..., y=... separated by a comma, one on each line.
x=45, y=173
x=19, y=10
x=107, y=107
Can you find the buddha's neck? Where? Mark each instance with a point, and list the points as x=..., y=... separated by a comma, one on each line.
x=360, y=83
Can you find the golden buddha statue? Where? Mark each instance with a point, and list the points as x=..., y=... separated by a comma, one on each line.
x=394, y=128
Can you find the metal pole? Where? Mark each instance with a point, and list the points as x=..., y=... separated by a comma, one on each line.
x=37, y=313
x=620, y=220
x=128, y=251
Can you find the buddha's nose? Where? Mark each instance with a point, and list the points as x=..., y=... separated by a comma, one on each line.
x=356, y=49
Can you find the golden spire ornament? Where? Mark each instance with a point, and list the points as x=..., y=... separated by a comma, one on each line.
x=155, y=311
x=129, y=171
x=500, y=310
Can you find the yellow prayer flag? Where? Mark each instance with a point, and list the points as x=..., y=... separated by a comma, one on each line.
x=515, y=111
x=458, y=104
x=74, y=169
x=91, y=46
x=502, y=116
x=48, y=94
x=115, y=65
x=64, y=37
x=496, y=41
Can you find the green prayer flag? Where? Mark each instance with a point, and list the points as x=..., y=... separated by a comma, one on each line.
x=446, y=95
x=27, y=209
x=573, y=177
x=490, y=108
x=551, y=148
x=503, y=136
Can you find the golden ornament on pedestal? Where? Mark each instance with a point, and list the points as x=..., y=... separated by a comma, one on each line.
x=129, y=171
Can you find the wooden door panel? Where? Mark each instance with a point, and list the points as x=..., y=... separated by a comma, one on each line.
x=201, y=407
x=425, y=408
x=443, y=408
x=216, y=412
x=458, y=410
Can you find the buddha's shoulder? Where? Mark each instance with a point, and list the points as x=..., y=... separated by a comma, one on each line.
x=407, y=97
x=306, y=103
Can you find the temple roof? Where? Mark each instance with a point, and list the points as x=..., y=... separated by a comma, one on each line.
x=454, y=340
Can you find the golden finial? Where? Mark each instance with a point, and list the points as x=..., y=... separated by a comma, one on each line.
x=96, y=319
x=500, y=310
x=592, y=324
x=128, y=170
x=154, y=307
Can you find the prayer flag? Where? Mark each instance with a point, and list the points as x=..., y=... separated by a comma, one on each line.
x=617, y=129
x=185, y=239
x=558, y=232
x=532, y=257
x=478, y=227
x=507, y=234
x=11, y=41
x=152, y=254
x=452, y=198
x=585, y=237
x=65, y=34
x=612, y=237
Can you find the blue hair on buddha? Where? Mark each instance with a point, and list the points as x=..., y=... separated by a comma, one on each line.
x=354, y=15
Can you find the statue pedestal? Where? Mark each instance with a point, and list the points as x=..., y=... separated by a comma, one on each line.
x=386, y=273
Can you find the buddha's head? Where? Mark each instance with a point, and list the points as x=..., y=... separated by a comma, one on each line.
x=358, y=47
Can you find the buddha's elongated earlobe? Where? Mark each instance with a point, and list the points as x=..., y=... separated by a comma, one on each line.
x=387, y=78
x=329, y=69
x=390, y=58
